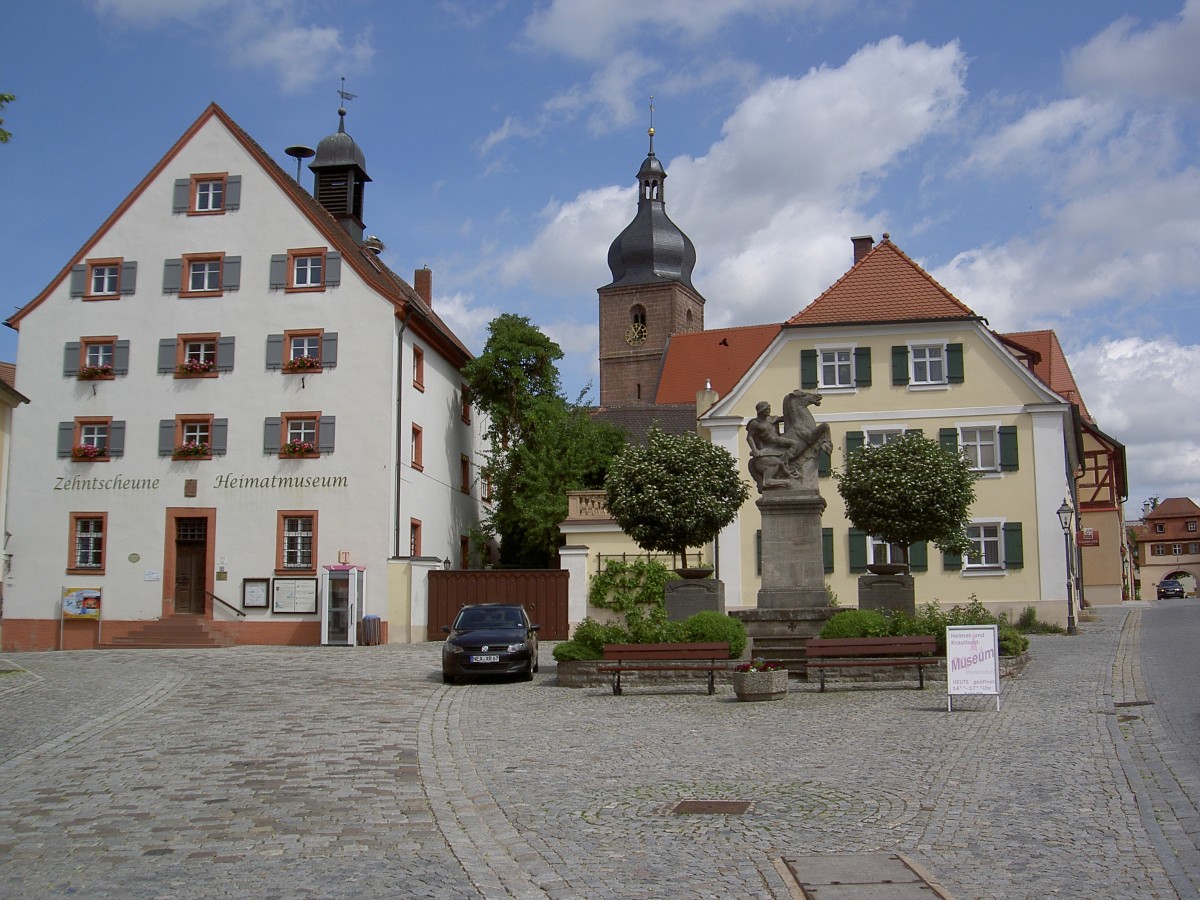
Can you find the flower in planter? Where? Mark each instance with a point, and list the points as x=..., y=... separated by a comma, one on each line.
x=301, y=364
x=89, y=451
x=195, y=367
x=299, y=448
x=193, y=448
x=758, y=664
x=87, y=373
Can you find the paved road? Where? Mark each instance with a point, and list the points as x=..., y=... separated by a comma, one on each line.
x=326, y=772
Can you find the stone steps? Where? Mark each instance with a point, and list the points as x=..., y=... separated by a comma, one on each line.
x=176, y=632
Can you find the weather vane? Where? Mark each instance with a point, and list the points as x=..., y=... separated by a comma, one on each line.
x=343, y=93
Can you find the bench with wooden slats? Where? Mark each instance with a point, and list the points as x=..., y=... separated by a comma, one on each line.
x=846, y=653
x=666, y=658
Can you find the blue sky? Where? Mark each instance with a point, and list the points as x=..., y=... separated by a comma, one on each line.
x=1039, y=159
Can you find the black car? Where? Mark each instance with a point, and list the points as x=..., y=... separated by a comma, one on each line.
x=490, y=639
x=1170, y=587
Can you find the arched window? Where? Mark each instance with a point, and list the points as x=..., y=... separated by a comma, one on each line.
x=637, y=315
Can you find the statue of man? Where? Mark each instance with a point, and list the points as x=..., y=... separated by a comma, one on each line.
x=771, y=449
x=783, y=451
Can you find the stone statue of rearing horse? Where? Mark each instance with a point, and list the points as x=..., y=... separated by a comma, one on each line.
x=784, y=452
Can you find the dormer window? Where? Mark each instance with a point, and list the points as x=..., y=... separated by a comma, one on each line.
x=1160, y=527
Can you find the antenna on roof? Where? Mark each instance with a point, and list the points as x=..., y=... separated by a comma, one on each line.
x=299, y=152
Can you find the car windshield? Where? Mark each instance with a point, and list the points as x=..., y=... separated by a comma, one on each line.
x=502, y=617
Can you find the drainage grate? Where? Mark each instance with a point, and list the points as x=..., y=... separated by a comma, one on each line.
x=1123, y=704
x=711, y=807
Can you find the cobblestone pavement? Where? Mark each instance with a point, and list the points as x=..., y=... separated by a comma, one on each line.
x=329, y=772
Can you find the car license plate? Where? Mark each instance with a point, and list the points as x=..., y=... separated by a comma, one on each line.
x=485, y=659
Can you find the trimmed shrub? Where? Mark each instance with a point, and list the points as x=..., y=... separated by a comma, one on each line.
x=856, y=623
x=709, y=626
x=929, y=620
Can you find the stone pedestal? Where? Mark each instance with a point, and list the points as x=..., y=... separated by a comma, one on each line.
x=793, y=566
x=688, y=596
x=888, y=594
x=779, y=634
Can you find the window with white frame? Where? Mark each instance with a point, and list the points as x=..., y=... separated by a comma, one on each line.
x=986, y=546
x=928, y=364
x=305, y=346
x=837, y=367
x=210, y=195
x=204, y=275
x=979, y=445
x=307, y=271
x=105, y=278
x=94, y=434
x=1177, y=549
x=302, y=430
x=883, y=553
x=877, y=437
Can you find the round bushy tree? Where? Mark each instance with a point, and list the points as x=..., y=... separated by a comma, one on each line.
x=675, y=492
x=910, y=489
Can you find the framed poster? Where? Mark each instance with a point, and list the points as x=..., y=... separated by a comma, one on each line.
x=972, y=661
x=294, y=595
x=254, y=593
x=81, y=603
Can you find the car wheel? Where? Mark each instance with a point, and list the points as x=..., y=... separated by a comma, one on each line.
x=527, y=675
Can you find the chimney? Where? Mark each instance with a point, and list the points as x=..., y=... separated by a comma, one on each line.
x=862, y=246
x=423, y=282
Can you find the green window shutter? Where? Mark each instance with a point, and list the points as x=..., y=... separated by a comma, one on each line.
x=827, y=549
x=954, y=363
x=808, y=369
x=758, y=552
x=899, y=365
x=858, y=550
x=951, y=562
x=918, y=557
x=948, y=438
x=1009, y=461
x=824, y=464
x=862, y=366
x=854, y=441
x=1014, y=551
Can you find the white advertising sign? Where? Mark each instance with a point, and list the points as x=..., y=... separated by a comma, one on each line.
x=972, y=661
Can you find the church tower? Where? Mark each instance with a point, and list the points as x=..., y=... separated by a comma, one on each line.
x=650, y=298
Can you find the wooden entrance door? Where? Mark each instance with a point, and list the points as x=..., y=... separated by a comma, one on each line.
x=191, y=541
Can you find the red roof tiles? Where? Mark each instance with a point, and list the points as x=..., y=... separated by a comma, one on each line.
x=718, y=358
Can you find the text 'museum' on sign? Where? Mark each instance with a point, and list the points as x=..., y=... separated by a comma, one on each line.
x=972, y=661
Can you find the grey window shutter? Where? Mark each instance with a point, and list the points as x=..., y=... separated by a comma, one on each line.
x=329, y=342
x=274, y=351
x=166, y=355
x=183, y=195
x=166, y=437
x=78, y=280
x=325, y=430
x=231, y=273
x=128, y=277
x=121, y=358
x=854, y=441
x=824, y=464
x=918, y=557
x=951, y=562
x=1014, y=551
x=116, y=437
x=71, y=351
x=225, y=353
x=66, y=438
x=948, y=438
x=219, y=439
x=862, y=366
x=808, y=369
x=954, y=363
x=827, y=549
x=278, y=271
x=899, y=365
x=172, y=276
x=271, y=426
x=233, y=192
x=1009, y=460
x=858, y=550
x=333, y=269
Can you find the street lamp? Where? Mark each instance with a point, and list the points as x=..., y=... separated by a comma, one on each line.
x=446, y=564
x=1064, y=518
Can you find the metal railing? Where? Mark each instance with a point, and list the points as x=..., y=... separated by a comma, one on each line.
x=228, y=606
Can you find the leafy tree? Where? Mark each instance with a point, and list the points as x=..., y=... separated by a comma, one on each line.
x=676, y=492
x=5, y=99
x=541, y=445
x=910, y=490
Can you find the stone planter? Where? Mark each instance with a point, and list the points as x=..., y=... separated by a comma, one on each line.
x=754, y=686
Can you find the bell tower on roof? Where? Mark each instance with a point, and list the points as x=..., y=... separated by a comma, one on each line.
x=651, y=296
x=341, y=171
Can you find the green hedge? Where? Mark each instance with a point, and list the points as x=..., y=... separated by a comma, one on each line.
x=929, y=620
x=590, y=636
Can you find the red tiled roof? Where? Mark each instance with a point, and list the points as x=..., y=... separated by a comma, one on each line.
x=883, y=286
x=1174, y=506
x=8, y=374
x=1048, y=362
x=718, y=358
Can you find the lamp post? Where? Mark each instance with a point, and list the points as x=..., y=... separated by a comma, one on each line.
x=1064, y=518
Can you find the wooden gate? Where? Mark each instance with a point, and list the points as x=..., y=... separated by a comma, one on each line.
x=543, y=593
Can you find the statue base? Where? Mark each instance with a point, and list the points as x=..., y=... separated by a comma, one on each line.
x=793, y=565
x=888, y=593
x=686, y=597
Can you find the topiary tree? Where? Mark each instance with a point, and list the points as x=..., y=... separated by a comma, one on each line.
x=910, y=489
x=675, y=492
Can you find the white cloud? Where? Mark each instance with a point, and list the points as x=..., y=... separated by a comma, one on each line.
x=465, y=319
x=1160, y=61
x=257, y=34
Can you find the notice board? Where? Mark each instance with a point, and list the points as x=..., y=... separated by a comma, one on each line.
x=972, y=661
